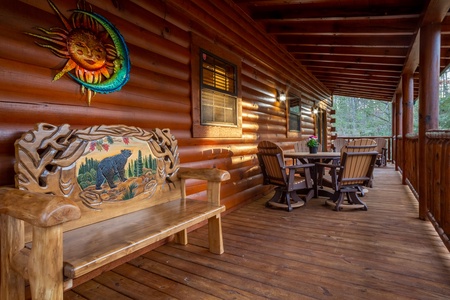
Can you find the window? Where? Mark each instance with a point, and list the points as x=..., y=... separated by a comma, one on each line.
x=215, y=83
x=218, y=91
x=294, y=105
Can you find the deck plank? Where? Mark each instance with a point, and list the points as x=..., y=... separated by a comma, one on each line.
x=130, y=286
x=94, y=290
x=310, y=253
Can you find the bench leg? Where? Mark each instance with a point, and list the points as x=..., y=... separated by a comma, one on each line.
x=46, y=264
x=215, y=235
x=181, y=237
x=12, y=241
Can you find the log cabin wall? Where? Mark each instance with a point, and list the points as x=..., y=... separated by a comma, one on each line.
x=158, y=94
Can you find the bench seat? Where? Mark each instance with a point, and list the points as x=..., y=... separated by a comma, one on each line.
x=95, y=245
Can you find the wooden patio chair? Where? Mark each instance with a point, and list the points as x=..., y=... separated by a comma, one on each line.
x=287, y=179
x=382, y=151
x=300, y=146
x=355, y=172
x=356, y=145
x=338, y=144
x=360, y=145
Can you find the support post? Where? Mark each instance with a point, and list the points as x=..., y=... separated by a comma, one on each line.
x=394, y=133
x=398, y=122
x=430, y=47
x=408, y=105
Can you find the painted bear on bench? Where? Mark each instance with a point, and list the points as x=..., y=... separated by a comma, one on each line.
x=110, y=166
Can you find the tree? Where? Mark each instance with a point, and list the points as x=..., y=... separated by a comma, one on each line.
x=444, y=103
x=140, y=164
x=362, y=117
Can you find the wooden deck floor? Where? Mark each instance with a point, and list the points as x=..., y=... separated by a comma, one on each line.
x=310, y=253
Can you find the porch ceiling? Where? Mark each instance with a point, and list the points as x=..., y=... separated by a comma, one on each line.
x=355, y=48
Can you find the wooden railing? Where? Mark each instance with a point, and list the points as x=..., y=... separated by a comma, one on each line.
x=411, y=168
x=389, y=143
x=437, y=184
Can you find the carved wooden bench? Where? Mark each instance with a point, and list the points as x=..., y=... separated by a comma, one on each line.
x=87, y=198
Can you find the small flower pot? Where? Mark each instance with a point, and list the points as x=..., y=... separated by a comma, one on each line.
x=312, y=149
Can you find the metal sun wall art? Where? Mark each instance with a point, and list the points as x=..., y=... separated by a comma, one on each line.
x=96, y=53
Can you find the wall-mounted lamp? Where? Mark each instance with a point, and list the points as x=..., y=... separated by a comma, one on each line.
x=282, y=96
x=315, y=111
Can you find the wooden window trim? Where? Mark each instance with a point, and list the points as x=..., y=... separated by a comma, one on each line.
x=289, y=133
x=212, y=131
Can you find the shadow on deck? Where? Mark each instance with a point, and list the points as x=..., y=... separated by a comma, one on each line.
x=310, y=253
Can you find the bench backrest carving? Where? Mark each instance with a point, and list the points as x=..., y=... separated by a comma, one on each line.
x=106, y=170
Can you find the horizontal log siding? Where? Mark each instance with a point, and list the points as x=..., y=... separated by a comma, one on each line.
x=158, y=93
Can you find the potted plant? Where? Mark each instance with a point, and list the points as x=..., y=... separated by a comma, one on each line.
x=312, y=144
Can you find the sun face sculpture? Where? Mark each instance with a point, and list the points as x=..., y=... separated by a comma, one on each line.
x=96, y=53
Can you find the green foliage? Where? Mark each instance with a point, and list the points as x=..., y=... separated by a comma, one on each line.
x=130, y=192
x=87, y=174
x=362, y=117
x=312, y=141
x=139, y=164
x=444, y=103
x=444, y=113
x=444, y=100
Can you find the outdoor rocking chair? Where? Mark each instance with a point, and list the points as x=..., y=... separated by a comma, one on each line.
x=356, y=145
x=338, y=144
x=354, y=172
x=287, y=179
x=382, y=152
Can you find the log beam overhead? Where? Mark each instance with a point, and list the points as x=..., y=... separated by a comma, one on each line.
x=361, y=38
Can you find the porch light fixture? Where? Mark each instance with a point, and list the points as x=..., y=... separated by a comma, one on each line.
x=282, y=96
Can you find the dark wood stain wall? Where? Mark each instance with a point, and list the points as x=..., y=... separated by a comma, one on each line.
x=158, y=94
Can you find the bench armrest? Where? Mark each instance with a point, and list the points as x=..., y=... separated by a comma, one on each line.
x=212, y=175
x=38, y=209
x=209, y=174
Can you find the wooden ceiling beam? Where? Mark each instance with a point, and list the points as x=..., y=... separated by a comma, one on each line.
x=345, y=10
x=362, y=95
x=360, y=75
x=387, y=26
x=350, y=51
x=358, y=83
x=368, y=75
x=355, y=81
x=350, y=66
x=402, y=41
x=445, y=40
x=365, y=90
x=362, y=92
x=382, y=61
x=359, y=86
